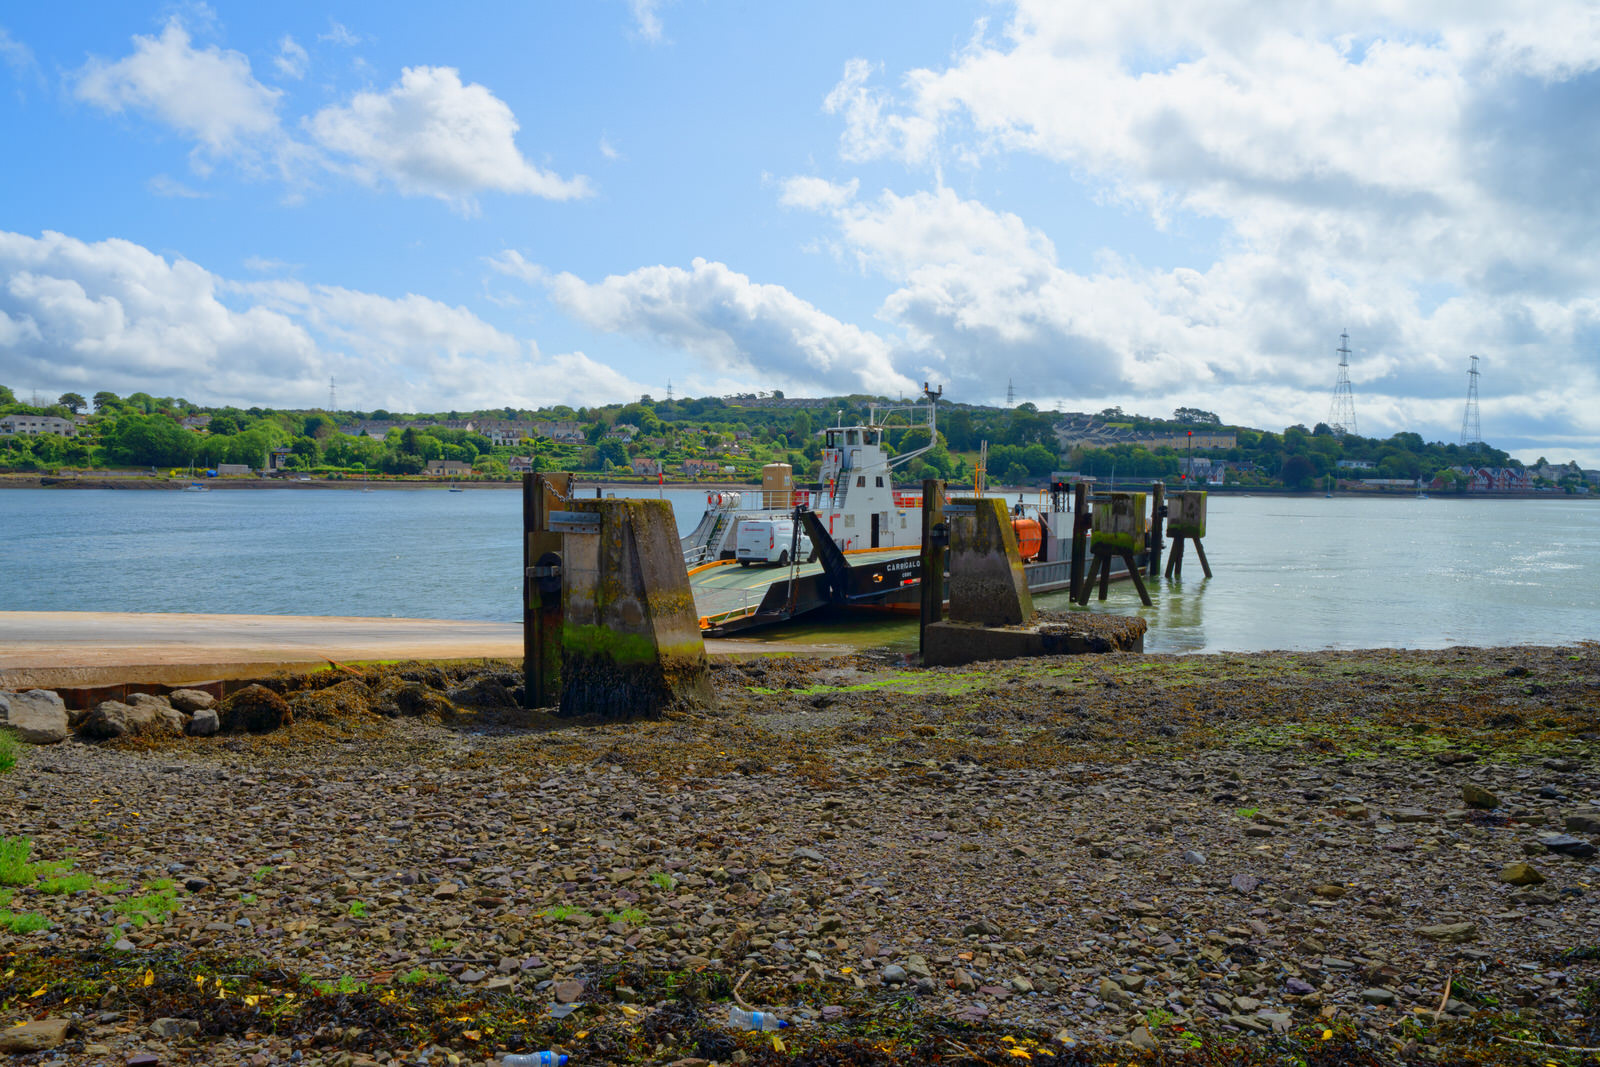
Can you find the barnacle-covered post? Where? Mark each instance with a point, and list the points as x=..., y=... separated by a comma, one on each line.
x=541, y=588
x=935, y=542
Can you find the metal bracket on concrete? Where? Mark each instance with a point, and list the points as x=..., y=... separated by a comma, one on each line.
x=573, y=522
x=960, y=509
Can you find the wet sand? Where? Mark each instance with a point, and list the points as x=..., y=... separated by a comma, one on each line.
x=89, y=648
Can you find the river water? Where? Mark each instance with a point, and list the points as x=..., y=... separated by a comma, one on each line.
x=1290, y=572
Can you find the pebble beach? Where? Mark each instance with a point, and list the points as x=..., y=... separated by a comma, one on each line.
x=1368, y=857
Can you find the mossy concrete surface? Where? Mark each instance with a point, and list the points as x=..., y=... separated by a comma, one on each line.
x=987, y=583
x=1119, y=522
x=630, y=640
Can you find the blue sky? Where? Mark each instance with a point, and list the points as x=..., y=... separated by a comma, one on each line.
x=1143, y=205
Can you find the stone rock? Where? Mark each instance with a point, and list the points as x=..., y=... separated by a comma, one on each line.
x=1583, y=822
x=1521, y=873
x=174, y=1029
x=568, y=992
x=257, y=709
x=1141, y=1038
x=204, y=723
x=917, y=966
x=981, y=928
x=1378, y=995
x=191, y=700
x=37, y=1036
x=893, y=974
x=38, y=716
x=1567, y=845
x=483, y=693
x=807, y=854
x=963, y=981
x=108, y=719
x=1330, y=891
x=1475, y=796
x=1457, y=933
x=148, y=700
x=1020, y=984
x=1198, y=859
x=1298, y=987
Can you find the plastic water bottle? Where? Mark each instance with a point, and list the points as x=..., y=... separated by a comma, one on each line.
x=534, y=1059
x=754, y=1020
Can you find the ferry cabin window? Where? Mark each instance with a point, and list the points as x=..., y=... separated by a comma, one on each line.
x=880, y=481
x=850, y=437
x=861, y=481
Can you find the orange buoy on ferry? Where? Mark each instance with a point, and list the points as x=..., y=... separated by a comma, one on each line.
x=1030, y=536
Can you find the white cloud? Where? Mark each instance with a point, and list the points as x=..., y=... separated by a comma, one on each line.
x=339, y=35
x=18, y=57
x=609, y=150
x=1419, y=172
x=292, y=59
x=816, y=194
x=737, y=328
x=430, y=135
x=114, y=315
x=646, y=18
x=264, y=265
x=166, y=185
x=208, y=94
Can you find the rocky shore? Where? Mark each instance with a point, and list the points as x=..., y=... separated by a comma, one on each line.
x=1363, y=857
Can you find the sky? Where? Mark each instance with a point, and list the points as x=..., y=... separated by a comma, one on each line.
x=1147, y=204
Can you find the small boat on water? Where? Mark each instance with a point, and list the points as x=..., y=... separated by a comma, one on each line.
x=196, y=487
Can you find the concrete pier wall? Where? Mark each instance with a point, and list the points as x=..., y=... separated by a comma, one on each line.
x=630, y=639
x=988, y=585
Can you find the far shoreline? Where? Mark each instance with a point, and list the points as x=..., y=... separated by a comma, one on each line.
x=231, y=483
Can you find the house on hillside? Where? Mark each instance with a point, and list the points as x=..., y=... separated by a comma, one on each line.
x=195, y=422
x=448, y=468
x=278, y=459
x=37, y=424
x=645, y=466
x=694, y=468
x=520, y=464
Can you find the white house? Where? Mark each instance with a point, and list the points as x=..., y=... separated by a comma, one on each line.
x=37, y=424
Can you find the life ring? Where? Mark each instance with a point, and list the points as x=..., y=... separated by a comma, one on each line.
x=711, y=500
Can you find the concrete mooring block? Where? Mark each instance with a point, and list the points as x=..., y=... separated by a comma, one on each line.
x=630, y=639
x=1186, y=514
x=1119, y=523
x=988, y=585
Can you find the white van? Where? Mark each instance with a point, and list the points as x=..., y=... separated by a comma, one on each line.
x=768, y=541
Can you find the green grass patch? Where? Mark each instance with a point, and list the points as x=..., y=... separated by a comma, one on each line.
x=631, y=916
x=358, y=908
x=563, y=911
x=14, y=866
x=111, y=888
x=1247, y=813
x=663, y=880
x=9, y=748
x=420, y=976
x=26, y=922
x=345, y=985
x=159, y=884
x=262, y=873
x=72, y=883
x=151, y=907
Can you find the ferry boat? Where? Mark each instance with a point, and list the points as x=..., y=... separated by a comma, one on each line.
x=866, y=534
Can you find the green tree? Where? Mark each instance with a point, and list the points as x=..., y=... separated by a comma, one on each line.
x=6, y=395
x=148, y=440
x=73, y=402
x=614, y=452
x=1298, y=472
x=222, y=425
x=104, y=401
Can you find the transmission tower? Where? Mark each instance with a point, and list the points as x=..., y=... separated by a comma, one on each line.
x=1342, y=412
x=669, y=389
x=1011, y=394
x=333, y=395
x=1471, y=432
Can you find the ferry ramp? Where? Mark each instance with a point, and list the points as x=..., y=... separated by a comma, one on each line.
x=725, y=592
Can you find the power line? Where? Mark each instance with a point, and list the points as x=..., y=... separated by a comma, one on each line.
x=1471, y=432
x=1342, y=412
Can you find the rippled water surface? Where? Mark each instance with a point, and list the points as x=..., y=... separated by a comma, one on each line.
x=1291, y=572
